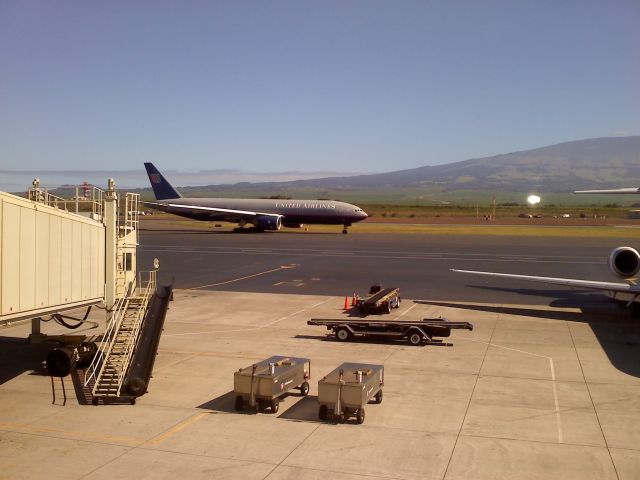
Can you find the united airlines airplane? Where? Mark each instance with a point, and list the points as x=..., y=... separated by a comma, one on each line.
x=263, y=214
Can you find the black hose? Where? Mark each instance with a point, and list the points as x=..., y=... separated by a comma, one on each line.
x=59, y=319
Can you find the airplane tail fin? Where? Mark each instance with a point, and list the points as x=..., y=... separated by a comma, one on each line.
x=161, y=188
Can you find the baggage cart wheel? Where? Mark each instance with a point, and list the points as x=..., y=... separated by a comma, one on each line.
x=275, y=405
x=343, y=334
x=398, y=302
x=360, y=416
x=238, y=403
x=388, y=307
x=322, y=412
x=414, y=338
x=378, y=396
x=304, y=389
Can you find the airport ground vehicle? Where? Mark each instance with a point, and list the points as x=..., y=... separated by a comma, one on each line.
x=344, y=392
x=262, y=384
x=415, y=332
x=380, y=300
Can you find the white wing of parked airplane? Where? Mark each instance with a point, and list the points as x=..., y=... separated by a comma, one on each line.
x=570, y=282
x=614, y=190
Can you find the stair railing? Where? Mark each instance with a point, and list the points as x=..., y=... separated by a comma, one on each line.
x=145, y=294
x=94, y=371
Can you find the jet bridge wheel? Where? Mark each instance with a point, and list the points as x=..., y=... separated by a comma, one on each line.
x=92, y=349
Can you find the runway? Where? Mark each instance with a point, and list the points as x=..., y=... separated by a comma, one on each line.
x=334, y=264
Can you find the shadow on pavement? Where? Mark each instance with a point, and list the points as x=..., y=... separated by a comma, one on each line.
x=618, y=335
x=18, y=356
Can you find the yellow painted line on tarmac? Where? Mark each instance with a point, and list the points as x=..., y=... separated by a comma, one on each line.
x=282, y=267
x=179, y=427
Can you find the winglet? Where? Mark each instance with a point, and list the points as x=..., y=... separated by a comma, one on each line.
x=161, y=188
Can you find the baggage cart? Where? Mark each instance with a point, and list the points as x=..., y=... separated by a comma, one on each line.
x=344, y=392
x=415, y=332
x=380, y=300
x=262, y=384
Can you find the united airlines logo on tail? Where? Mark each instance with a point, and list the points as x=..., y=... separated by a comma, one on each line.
x=155, y=178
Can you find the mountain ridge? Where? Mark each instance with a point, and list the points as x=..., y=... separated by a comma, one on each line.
x=605, y=162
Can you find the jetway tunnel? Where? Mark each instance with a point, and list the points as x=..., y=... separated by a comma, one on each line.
x=58, y=255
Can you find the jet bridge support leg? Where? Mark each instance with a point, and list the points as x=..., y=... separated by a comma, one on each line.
x=36, y=335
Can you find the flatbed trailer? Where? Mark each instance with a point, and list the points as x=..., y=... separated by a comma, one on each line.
x=415, y=332
x=380, y=300
x=345, y=391
x=263, y=383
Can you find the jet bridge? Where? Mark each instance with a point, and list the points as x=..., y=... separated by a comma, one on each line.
x=58, y=255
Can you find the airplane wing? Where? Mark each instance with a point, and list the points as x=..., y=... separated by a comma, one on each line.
x=570, y=282
x=614, y=190
x=245, y=214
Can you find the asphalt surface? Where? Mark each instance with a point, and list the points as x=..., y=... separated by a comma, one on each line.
x=335, y=264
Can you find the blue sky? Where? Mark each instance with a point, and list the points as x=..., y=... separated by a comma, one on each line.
x=275, y=86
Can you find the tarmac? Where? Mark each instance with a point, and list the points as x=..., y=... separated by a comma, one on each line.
x=534, y=391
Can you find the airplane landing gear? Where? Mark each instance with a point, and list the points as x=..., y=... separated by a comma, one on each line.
x=345, y=231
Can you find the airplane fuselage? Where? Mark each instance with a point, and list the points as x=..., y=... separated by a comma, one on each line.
x=327, y=212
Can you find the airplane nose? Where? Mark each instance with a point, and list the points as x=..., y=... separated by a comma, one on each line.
x=364, y=214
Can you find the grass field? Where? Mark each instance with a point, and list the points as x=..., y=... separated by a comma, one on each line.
x=450, y=226
x=412, y=196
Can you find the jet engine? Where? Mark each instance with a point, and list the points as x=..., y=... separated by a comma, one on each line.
x=624, y=262
x=268, y=223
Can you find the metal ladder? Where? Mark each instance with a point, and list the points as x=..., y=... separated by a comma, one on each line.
x=109, y=367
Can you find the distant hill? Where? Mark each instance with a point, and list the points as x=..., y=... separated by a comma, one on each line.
x=582, y=164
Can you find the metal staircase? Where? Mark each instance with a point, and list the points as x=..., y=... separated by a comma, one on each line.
x=109, y=367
